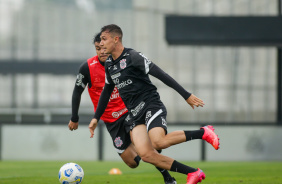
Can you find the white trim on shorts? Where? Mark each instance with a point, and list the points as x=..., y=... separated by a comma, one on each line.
x=119, y=151
x=153, y=117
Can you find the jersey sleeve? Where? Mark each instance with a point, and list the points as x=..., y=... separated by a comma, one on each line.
x=141, y=62
x=81, y=81
x=83, y=77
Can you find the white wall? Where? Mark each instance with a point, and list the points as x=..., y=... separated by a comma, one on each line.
x=31, y=142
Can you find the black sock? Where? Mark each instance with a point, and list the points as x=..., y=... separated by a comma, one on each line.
x=195, y=134
x=164, y=172
x=181, y=168
x=137, y=159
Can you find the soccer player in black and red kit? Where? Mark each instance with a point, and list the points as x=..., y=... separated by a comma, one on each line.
x=128, y=70
x=92, y=74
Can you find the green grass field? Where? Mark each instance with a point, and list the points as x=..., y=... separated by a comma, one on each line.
x=46, y=172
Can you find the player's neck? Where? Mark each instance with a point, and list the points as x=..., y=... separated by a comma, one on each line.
x=118, y=51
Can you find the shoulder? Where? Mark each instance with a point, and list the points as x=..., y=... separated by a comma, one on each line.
x=94, y=58
x=109, y=60
x=131, y=51
x=84, y=66
x=134, y=54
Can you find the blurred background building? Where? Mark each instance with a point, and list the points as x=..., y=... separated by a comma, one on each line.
x=237, y=83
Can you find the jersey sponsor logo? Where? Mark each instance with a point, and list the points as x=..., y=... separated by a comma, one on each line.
x=114, y=96
x=115, y=67
x=148, y=116
x=94, y=62
x=118, y=142
x=79, y=78
x=117, y=114
x=122, y=63
x=115, y=75
x=123, y=83
x=127, y=119
x=116, y=81
x=137, y=109
x=109, y=60
x=125, y=54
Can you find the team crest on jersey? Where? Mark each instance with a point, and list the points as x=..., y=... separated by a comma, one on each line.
x=118, y=142
x=122, y=63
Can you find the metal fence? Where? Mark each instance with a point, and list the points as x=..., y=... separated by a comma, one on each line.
x=238, y=84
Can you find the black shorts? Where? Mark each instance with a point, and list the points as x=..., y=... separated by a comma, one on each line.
x=121, y=138
x=152, y=116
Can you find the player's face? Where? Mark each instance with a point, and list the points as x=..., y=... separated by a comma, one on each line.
x=107, y=42
x=100, y=52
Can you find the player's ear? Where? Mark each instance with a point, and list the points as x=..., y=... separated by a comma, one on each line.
x=116, y=39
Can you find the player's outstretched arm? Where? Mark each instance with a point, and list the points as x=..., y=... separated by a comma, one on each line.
x=191, y=99
x=194, y=101
x=102, y=104
x=92, y=126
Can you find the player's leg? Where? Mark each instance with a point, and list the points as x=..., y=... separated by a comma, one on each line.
x=161, y=140
x=168, y=179
x=130, y=156
x=130, y=153
x=145, y=149
x=148, y=154
x=122, y=142
x=157, y=129
x=132, y=159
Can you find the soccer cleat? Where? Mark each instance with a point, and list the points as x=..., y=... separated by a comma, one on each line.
x=170, y=180
x=210, y=136
x=195, y=177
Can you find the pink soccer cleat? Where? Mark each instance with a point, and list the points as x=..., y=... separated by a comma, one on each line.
x=210, y=136
x=195, y=177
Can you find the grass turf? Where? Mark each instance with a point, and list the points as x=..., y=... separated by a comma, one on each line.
x=46, y=172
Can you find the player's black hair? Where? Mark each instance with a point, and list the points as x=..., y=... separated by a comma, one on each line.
x=113, y=28
x=97, y=38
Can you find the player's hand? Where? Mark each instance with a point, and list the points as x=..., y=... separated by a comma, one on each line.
x=92, y=126
x=195, y=101
x=73, y=125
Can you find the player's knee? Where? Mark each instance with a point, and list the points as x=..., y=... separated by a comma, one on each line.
x=159, y=145
x=132, y=164
x=148, y=157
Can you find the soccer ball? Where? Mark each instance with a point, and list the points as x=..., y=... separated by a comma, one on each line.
x=71, y=173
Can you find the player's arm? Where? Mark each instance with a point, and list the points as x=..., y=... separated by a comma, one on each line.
x=191, y=99
x=80, y=84
x=102, y=104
